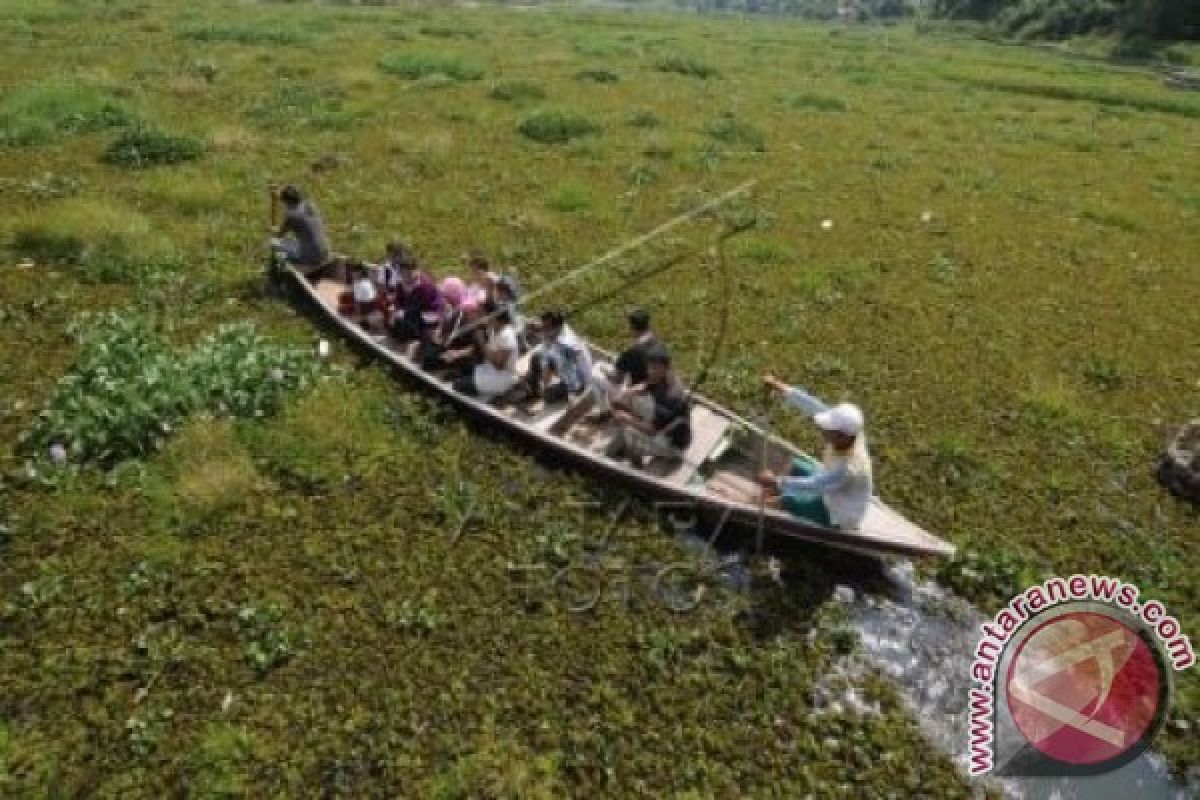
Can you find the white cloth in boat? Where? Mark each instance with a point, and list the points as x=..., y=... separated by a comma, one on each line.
x=844, y=480
x=364, y=291
x=491, y=381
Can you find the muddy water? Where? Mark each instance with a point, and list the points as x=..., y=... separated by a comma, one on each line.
x=922, y=638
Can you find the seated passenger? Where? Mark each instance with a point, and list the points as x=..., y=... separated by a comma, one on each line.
x=654, y=418
x=430, y=350
x=481, y=269
x=608, y=381
x=389, y=271
x=561, y=364
x=463, y=344
x=301, y=238
x=502, y=289
x=417, y=303
x=366, y=295
x=498, y=372
x=838, y=491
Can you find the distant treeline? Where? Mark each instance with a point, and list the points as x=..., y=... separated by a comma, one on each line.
x=1054, y=19
x=1132, y=20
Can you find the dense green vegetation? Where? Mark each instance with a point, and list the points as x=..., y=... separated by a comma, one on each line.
x=305, y=583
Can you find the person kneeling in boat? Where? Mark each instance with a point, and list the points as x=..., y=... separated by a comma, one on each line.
x=836, y=492
x=307, y=246
x=498, y=372
x=560, y=365
x=654, y=418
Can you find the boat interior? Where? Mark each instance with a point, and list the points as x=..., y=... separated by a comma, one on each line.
x=722, y=462
x=724, y=455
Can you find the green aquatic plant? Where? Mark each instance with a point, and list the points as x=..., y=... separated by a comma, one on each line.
x=348, y=498
x=557, y=126
x=41, y=113
x=517, y=91
x=269, y=643
x=415, y=66
x=729, y=130
x=145, y=147
x=817, y=102
x=686, y=65
x=597, y=75
x=129, y=389
x=250, y=32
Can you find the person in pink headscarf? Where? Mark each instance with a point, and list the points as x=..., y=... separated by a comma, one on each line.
x=452, y=340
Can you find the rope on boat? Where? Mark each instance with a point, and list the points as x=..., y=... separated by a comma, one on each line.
x=632, y=244
x=645, y=237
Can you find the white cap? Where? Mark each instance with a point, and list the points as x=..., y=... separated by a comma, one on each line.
x=844, y=418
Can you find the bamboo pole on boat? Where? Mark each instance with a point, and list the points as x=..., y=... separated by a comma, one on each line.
x=632, y=244
x=760, y=534
x=638, y=241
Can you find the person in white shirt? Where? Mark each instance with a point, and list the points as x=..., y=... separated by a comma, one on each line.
x=837, y=492
x=497, y=373
x=366, y=295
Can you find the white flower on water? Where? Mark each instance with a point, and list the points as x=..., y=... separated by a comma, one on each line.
x=926, y=216
x=827, y=224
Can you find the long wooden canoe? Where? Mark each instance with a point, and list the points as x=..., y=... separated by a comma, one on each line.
x=716, y=476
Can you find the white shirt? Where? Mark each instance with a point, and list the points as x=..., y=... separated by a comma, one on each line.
x=849, y=498
x=845, y=481
x=571, y=359
x=506, y=339
x=364, y=291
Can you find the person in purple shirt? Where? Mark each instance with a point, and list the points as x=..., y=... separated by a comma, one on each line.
x=417, y=303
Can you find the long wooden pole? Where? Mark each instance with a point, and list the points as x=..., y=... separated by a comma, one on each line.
x=636, y=242
x=764, y=458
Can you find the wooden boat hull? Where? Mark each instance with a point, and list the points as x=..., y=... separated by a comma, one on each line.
x=883, y=533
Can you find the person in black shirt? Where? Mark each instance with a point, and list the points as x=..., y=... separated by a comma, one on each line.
x=654, y=418
x=610, y=381
x=307, y=245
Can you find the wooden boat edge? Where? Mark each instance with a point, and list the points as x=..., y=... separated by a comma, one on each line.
x=776, y=522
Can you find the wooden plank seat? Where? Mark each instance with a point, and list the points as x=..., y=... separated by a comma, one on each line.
x=733, y=486
x=708, y=429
